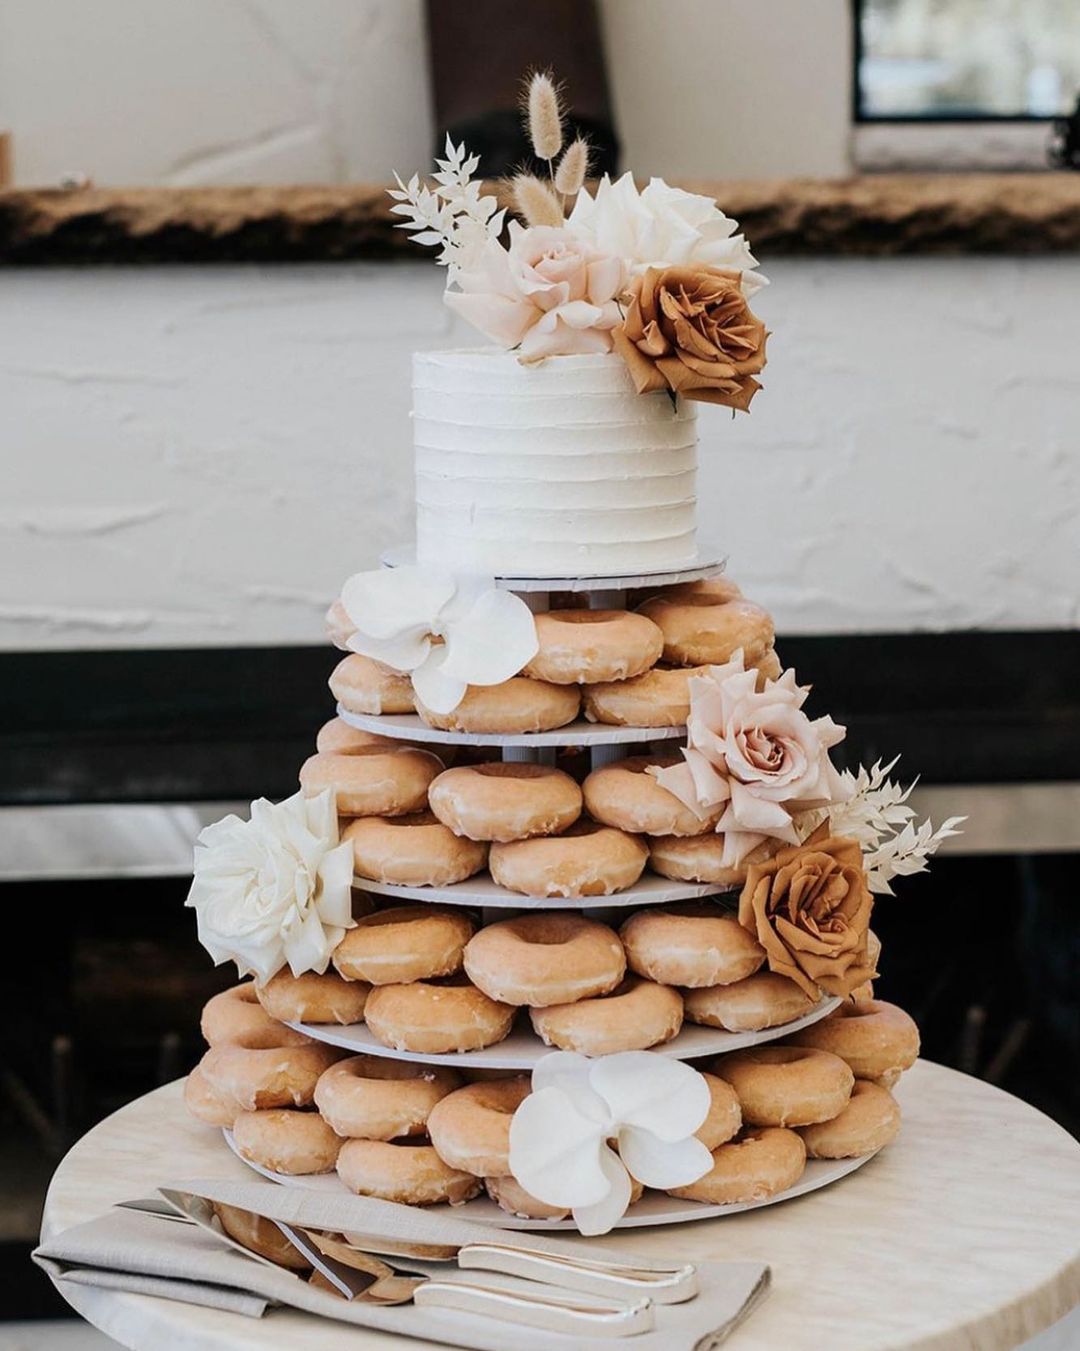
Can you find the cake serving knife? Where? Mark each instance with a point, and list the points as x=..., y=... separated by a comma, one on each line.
x=547, y=1308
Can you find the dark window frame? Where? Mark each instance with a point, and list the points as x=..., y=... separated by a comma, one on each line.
x=861, y=118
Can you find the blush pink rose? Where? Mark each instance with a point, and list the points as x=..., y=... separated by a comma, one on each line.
x=549, y=294
x=758, y=753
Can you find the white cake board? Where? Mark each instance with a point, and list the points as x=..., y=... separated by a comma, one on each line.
x=706, y=564
x=411, y=727
x=481, y=891
x=653, y=1208
x=523, y=1048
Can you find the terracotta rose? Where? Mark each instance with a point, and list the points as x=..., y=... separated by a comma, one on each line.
x=689, y=329
x=809, y=907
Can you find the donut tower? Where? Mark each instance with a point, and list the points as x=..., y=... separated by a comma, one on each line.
x=569, y=920
x=523, y=882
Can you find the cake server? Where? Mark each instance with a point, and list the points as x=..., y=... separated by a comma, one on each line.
x=549, y=1309
x=589, y=1275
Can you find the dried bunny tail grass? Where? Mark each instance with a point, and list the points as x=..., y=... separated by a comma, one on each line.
x=535, y=202
x=544, y=116
x=573, y=168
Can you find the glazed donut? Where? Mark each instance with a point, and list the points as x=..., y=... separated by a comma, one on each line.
x=259, y=1235
x=337, y=737
x=373, y=780
x=509, y=1195
x=699, y=858
x=517, y=705
x=762, y=1000
x=876, y=1039
x=755, y=1165
x=235, y=1017
x=361, y=685
x=280, y=1076
x=505, y=800
x=470, y=1129
x=413, y=851
x=700, y=631
x=311, y=998
x=206, y=1103
x=637, y=1014
x=339, y=627
x=693, y=944
x=403, y=943
x=725, y=1115
x=287, y=1141
x=435, y=1017
x=659, y=698
x=869, y=1122
x=718, y=590
x=787, y=1085
x=587, y=859
x=624, y=795
x=586, y=647
x=369, y=1097
x=412, y=1174
x=544, y=958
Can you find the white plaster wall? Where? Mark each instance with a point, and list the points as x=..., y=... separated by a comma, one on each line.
x=214, y=91
x=200, y=455
x=274, y=91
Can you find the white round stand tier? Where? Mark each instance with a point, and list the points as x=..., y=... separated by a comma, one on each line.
x=653, y=1208
x=523, y=1048
x=411, y=727
x=705, y=565
x=484, y=892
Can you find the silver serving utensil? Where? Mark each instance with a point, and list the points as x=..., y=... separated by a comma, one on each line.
x=551, y=1310
x=589, y=1275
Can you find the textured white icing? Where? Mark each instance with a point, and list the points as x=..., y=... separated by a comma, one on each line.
x=555, y=469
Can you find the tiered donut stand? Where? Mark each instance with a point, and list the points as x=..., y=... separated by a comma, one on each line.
x=522, y=1048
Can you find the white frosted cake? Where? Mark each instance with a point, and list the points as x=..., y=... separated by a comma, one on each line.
x=559, y=468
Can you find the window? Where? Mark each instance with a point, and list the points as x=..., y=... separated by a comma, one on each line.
x=988, y=75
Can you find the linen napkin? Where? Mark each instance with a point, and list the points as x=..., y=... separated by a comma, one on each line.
x=132, y=1251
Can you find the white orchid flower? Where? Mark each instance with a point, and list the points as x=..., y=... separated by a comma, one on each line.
x=645, y=1104
x=447, y=632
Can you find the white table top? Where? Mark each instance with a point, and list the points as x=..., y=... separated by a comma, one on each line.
x=964, y=1235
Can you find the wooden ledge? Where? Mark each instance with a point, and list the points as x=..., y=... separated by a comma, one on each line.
x=880, y=214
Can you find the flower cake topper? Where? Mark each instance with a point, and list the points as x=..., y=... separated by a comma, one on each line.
x=660, y=276
x=561, y=1135
x=274, y=890
x=447, y=632
x=757, y=752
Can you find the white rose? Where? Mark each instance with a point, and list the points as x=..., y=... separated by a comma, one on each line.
x=275, y=889
x=756, y=751
x=662, y=226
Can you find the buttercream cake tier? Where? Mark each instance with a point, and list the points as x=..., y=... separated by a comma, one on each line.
x=556, y=469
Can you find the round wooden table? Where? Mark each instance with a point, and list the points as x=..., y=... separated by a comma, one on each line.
x=964, y=1235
